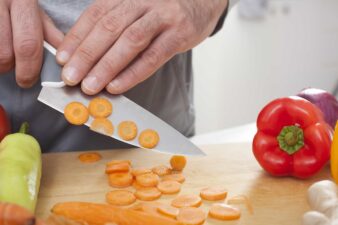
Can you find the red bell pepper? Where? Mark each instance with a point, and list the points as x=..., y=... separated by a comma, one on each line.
x=4, y=123
x=292, y=138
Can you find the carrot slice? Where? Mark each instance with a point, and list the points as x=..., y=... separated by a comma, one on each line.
x=213, y=193
x=89, y=157
x=240, y=199
x=119, y=167
x=223, y=211
x=169, y=187
x=191, y=216
x=120, y=197
x=161, y=170
x=168, y=210
x=151, y=207
x=175, y=176
x=127, y=130
x=139, y=171
x=103, y=126
x=76, y=113
x=120, y=180
x=148, y=180
x=148, y=138
x=187, y=200
x=100, y=107
x=148, y=194
x=118, y=162
x=178, y=162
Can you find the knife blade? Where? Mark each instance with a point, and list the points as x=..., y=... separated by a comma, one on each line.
x=57, y=95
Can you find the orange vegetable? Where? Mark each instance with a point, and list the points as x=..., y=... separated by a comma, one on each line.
x=103, y=126
x=213, y=193
x=119, y=167
x=100, y=107
x=150, y=207
x=61, y=220
x=178, y=162
x=223, y=211
x=120, y=197
x=241, y=199
x=169, y=187
x=161, y=170
x=175, y=176
x=127, y=130
x=148, y=138
x=148, y=194
x=76, y=113
x=187, y=200
x=118, y=162
x=89, y=157
x=168, y=210
x=148, y=180
x=139, y=171
x=11, y=214
x=191, y=216
x=120, y=180
x=137, y=185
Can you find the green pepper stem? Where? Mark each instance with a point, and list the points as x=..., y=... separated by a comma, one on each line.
x=24, y=128
x=291, y=139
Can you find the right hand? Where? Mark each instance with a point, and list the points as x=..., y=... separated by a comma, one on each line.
x=23, y=27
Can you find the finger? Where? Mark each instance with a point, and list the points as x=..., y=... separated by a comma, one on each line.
x=96, y=44
x=6, y=44
x=27, y=40
x=83, y=26
x=158, y=53
x=51, y=33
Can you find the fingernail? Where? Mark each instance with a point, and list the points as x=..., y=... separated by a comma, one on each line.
x=91, y=84
x=114, y=85
x=70, y=75
x=62, y=57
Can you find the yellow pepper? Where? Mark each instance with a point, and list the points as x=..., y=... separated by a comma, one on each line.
x=334, y=155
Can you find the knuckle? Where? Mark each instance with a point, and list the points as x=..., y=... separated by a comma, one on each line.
x=107, y=65
x=151, y=57
x=86, y=54
x=73, y=36
x=95, y=12
x=29, y=48
x=135, y=35
x=110, y=23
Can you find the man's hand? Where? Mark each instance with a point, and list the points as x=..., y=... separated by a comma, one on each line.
x=23, y=27
x=117, y=44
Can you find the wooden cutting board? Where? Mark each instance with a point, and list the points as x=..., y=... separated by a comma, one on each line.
x=276, y=201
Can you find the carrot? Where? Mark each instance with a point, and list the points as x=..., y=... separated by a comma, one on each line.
x=139, y=171
x=178, y=162
x=191, y=216
x=148, y=138
x=103, y=126
x=175, y=176
x=148, y=194
x=213, y=193
x=169, y=187
x=148, y=180
x=187, y=200
x=151, y=207
x=120, y=197
x=118, y=162
x=61, y=220
x=100, y=107
x=127, y=130
x=161, y=170
x=240, y=199
x=223, y=211
x=168, y=210
x=76, y=113
x=119, y=167
x=137, y=186
x=11, y=214
x=120, y=180
x=89, y=157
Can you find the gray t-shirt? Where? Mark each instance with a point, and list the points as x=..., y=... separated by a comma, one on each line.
x=167, y=94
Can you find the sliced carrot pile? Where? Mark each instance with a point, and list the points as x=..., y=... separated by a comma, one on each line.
x=241, y=199
x=120, y=197
x=213, y=193
x=161, y=170
x=120, y=180
x=168, y=210
x=175, y=176
x=191, y=216
x=89, y=157
x=76, y=113
x=148, y=138
x=103, y=126
x=100, y=108
x=118, y=162
x=148, y=194
x=139, y=171
x=119, y=167
x=169, y=187
x=127, y=130
x=178, y=162
x=148, y=180
x=137, y=186
x=223, y=211
x=187, y=200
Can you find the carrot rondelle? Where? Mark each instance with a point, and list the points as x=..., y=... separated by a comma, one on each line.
x=191, y=216
x=169, y=187
x=89, y=157
x=187, y=200
x=148, y=138
x=161, y=170
x=223, y=211
x=120, y=197
x=148, y=180
x=127, y=130
x=119, y=167
x=178, y=162
x=139, y=171
x=117, y=161
x=168, y=210
x=148, y=194
x=175, y=176
x=76, y=113
x=213, y=193
x=103, y=126
x=120, y=180
x=100, y=107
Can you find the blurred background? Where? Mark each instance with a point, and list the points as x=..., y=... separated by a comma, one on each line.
x=266, y=49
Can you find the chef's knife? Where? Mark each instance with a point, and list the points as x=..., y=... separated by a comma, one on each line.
x=57, y=95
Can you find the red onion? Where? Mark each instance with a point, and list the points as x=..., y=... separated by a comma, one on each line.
x=325, y=101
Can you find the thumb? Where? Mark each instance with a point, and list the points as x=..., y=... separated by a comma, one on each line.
x=50, y=32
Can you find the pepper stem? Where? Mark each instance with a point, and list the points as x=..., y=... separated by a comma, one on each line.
x=24, y=128
x=291, y=139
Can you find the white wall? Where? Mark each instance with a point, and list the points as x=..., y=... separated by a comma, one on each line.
x=251, y=62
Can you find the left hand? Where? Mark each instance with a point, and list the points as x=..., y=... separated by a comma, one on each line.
x=117, y=44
